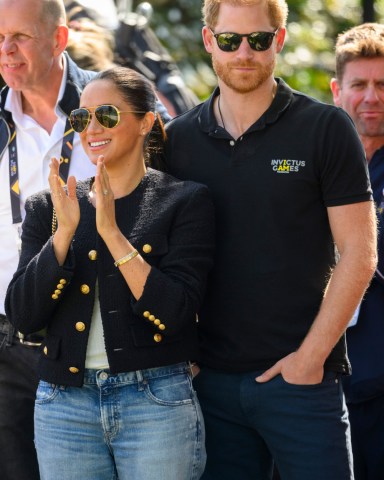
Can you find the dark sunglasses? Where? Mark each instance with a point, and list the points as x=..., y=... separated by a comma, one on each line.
x=107, y=115
x=230, y=42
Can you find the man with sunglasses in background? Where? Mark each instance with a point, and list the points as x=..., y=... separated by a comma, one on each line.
x=289, y=180
x=359, y=89
x=43, y=87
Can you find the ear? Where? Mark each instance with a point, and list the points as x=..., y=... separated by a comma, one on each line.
x=61, y=39
x=335, y=87
x=280, y=39
x=147, y=123
x=208, y=38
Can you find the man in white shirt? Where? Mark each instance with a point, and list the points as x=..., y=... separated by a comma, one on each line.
x=44, y=85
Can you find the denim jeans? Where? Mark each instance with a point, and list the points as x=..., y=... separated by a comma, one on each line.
x=303, y=428
x=143, y=425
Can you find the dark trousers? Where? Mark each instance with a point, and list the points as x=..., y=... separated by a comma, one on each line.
x=303, y=428
x=367, y=429
x=18, y=383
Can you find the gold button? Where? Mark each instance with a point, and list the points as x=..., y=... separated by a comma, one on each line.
x=146, y=314
x=92, y=255
x=63, y=281
x=60, y=286
x=57, y=292
x=157, y=337
x=147, y=248
x=73, y=370
x=85, y=289
x=45, y=350
x=151, y=318
x=55, y=297
x=157, y=322
x=161, y=326
x=80, y=326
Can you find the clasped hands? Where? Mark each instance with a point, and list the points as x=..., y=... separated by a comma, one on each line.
x=66, y=204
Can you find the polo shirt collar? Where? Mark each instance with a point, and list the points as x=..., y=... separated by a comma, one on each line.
x=281, y=102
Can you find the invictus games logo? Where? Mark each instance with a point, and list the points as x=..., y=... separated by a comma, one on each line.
x=287, y=166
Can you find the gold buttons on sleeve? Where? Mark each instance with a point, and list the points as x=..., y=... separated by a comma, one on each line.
x=73, y=370
x=157, y=337
x=80, y=326
x=85, y=289
x=59, y=288
x=156, y=322
x=92, y=255
x=147, y=248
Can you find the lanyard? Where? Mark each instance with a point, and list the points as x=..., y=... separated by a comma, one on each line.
x=14, y=187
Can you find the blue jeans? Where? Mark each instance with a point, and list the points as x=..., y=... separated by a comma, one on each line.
x=143, y=425
x=303, y=428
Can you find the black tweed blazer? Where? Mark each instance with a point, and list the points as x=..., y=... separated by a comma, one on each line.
x=171, y=223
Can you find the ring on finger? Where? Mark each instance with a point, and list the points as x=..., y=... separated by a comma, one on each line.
x=105, y=192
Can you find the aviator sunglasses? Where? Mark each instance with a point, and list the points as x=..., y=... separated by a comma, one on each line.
x=107, y=115
x=230, y=42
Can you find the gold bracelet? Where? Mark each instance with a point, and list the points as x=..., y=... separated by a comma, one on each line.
x=126, y=259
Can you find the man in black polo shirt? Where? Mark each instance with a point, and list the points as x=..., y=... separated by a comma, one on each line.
x=289, y=179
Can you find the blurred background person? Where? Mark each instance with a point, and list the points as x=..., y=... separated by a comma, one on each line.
x=359, y=89
x=134, y=45
x=90, y=46
x=103, y=12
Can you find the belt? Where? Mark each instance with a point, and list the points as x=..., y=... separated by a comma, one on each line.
x=30, y=340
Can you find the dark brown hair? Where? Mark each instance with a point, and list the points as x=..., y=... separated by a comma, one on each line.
x=139, y=93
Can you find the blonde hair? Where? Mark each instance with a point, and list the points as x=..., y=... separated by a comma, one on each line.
x=277, y=10
x=363, y=41
x=91, y=46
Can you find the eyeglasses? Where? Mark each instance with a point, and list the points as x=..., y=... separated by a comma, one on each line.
x=107, y=115
x=230, y=42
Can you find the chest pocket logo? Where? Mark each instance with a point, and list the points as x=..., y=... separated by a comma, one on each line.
x=287, y=165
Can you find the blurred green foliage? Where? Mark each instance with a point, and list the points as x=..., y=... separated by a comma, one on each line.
x=306, y=63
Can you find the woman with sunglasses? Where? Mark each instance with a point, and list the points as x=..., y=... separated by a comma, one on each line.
x=117, y=286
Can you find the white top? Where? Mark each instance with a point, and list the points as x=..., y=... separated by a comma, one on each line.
x=96, y=357
x=35, y=147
